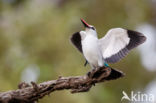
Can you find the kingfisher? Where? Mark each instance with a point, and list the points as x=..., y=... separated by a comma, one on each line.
x=111, y=48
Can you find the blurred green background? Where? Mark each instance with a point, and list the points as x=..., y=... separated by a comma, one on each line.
x=35, y=46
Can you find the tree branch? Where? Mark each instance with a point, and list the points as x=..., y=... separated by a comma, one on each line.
x=31, y=93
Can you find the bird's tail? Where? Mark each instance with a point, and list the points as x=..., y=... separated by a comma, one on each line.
x=115, y=74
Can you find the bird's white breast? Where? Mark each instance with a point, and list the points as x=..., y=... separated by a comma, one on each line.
x=91, y=50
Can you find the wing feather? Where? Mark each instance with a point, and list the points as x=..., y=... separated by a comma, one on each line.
x=76, y=40
x=118, y=42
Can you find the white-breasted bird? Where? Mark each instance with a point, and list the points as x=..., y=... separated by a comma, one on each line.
x=115, y=45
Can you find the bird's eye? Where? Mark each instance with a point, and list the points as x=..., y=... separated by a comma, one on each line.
x=93, y=28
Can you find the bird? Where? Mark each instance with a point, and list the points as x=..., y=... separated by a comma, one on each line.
x=111, y=48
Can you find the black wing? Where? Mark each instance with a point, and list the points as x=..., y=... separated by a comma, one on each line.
x=76, y=40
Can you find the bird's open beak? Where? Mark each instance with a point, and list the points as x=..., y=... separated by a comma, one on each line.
x=85, y=23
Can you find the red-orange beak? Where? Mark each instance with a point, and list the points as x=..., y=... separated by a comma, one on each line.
x=85, y=23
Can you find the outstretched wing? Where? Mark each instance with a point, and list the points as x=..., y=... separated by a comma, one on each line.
x=117, y=43
x=76, y=40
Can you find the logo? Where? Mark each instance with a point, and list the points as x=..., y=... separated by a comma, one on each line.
x=138, y=97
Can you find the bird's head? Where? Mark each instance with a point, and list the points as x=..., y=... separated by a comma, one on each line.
x=88, y=28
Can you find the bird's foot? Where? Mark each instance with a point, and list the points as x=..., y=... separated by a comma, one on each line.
x=89, y=74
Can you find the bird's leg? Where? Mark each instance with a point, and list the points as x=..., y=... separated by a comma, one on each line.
x=86, y=63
